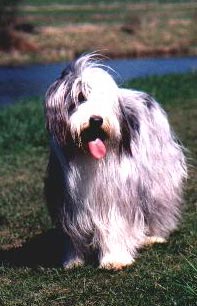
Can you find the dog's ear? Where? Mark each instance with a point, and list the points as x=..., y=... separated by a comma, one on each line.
x=56, y=108
x=129, y=122
x=147, y=134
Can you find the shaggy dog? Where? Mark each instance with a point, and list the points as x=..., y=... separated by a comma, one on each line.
x=116, y=171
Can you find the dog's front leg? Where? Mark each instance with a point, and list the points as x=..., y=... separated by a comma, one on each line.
x=115, y=254
x=70, y=257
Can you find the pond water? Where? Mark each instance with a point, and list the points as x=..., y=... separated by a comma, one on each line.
x=32, y=80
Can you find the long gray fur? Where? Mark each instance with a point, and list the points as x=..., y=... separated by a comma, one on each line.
x=108, y=208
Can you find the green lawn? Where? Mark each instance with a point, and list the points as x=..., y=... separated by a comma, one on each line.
x=81, y=2
x=163, y=275
x=48, y=12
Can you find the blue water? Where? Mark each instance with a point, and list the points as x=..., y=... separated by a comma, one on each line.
x=33, y=80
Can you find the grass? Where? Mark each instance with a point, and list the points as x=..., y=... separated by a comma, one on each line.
x=82, y=2
x=29, y=247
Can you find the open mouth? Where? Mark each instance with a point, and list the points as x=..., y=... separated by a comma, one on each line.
x=94, y=139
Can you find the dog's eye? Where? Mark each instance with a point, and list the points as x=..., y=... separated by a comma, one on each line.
x=71, y=108
x=81, y=97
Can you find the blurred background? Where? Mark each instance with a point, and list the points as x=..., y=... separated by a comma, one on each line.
x=56, y=30
x=36, y=34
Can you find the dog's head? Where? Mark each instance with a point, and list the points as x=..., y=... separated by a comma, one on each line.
x=84, y=106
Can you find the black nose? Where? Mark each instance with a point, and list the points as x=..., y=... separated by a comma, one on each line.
x=96, y=121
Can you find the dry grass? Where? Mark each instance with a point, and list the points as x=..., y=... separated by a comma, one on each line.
x=64, y=31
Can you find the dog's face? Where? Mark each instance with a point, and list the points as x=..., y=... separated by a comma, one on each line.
x=84, y=106
x=94, y=118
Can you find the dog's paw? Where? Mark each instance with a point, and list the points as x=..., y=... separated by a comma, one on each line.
x=73, y=263
x=154, y=239
x=115, y=266
x=115, y=262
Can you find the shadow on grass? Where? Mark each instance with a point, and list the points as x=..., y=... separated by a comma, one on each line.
x=45, y=250
x=49, y=249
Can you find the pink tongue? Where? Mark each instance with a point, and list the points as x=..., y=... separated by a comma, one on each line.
x=97, y=148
